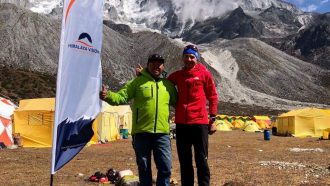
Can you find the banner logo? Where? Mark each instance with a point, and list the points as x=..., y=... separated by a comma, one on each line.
x=84, y=43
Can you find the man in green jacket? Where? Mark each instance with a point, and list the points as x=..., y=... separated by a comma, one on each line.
x=152, y=95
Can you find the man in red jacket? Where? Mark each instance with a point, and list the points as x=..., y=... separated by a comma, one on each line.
x=193, y=121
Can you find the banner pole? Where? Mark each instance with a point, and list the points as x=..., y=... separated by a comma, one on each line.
x=51, y=179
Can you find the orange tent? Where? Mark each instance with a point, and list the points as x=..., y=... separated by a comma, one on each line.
x=6, y=110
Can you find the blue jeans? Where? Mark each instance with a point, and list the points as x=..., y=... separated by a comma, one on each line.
x=160, y=145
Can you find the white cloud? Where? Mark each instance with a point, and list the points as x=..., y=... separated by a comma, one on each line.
x=310, y=8
x=324, y=1
x=201, y=9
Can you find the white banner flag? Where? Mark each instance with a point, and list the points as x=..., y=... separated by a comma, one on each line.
x=78, y=79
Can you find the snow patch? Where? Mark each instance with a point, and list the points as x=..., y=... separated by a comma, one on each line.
x=44, y=6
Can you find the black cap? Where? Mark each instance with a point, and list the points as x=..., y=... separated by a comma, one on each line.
x=156, y=57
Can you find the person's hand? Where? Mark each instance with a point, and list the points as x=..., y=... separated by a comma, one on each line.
x=103, y=92
x=212, y=126
x=138, y=69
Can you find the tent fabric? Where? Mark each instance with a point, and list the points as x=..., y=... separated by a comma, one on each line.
x=110, y=120
x=261, y=117
x=238, y=123
x=34, y=121
x=228, y=124
x=303, y=122
x=263, y=121
x=251, y=126
x=327, y=111
x=222, y=126
x=326, y=133
x=6, y=110
x=263, y=124
x=39, y=104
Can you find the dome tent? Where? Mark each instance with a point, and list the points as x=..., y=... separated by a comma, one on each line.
x=222, y=126
x=251, y=126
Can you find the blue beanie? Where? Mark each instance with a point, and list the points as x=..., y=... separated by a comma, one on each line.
x=191, y=51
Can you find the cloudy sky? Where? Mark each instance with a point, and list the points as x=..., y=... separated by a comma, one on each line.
x=321, y=6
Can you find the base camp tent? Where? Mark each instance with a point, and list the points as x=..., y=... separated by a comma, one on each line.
x=303, y=122
x=251, y=126
x=6, y=110
x=110, y=120
x=34, y=119
x=238, y=123
x=222, y=126
x=262, y=121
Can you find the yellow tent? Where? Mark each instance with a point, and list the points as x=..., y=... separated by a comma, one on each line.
x=263, y=121
x=222, y=116
x=303, y=122
x=222, y=126
x=326, y=133
x=251, y=126
x=109, y=120
x=243, y=118
x=238, y=123
x=228, y=124
x=327, y=111
x=34, y=119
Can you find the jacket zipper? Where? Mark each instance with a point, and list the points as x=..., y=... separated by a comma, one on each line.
x=156, y=114
x=137, y=115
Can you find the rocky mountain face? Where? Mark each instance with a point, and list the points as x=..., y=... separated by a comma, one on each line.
x=30, y=42
x=236, y=24
x=272, y=22
x=251, y=76
x=311, y=43
x=252, y=71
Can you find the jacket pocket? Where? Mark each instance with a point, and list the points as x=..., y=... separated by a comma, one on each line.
x=145, y=91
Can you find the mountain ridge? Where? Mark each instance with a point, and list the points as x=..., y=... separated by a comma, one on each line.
x=250, y=74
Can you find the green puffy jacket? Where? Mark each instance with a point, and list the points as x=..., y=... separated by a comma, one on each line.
x=151, y=106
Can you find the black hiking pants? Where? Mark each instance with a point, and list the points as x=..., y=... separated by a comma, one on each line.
x=195, y=135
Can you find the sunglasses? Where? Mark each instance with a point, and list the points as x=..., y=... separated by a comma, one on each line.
x=193, y=47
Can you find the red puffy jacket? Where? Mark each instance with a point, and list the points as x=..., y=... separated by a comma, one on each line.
x=195, y=86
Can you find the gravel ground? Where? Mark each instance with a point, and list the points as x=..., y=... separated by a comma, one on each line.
x=235, y=158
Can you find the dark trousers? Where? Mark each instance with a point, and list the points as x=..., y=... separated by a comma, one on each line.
x=144, y=145
x=195, y=135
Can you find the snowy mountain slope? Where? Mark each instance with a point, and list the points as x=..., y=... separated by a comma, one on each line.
x=172, y=17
